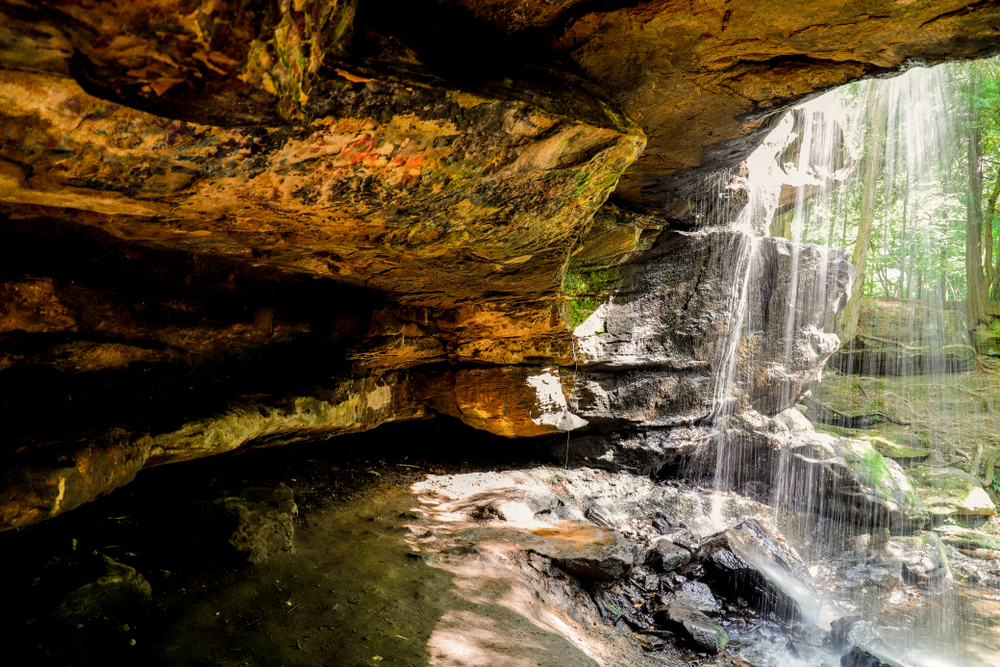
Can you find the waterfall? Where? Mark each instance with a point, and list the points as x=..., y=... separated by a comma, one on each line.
x=907, y=362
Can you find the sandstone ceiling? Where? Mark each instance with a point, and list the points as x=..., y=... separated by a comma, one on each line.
x=250, y=222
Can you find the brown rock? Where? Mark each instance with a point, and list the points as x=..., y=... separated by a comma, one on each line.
x=241, y=226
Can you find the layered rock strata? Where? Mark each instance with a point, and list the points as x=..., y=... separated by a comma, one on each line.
x=246, y=224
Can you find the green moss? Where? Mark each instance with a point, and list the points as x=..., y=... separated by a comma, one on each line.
x=282, y=60
x=874, y=472
x=586, y=291
x=889, y=449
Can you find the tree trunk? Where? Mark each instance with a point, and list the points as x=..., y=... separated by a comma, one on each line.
x=992, y=270
x=878, y=115
x=977, y=284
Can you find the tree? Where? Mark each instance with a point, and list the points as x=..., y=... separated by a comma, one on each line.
x=878, y=111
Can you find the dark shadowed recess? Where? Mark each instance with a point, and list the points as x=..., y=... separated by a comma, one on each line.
x=158, y=527
x=133, y=291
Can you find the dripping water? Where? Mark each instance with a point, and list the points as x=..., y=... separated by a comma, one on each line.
x=919, y=140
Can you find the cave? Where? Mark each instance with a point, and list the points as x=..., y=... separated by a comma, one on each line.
x=377, y=273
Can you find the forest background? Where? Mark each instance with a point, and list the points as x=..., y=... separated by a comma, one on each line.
x=910, y=185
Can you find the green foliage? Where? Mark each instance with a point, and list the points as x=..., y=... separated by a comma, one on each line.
x=585, y=291
x=918, y=238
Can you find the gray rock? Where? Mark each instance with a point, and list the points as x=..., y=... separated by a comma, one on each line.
x=865, y=646
x=848, y=479
x=702, y=630
x=884, y=575
x=809, y=634
x=258, y=522
x=645, y=579
x=923, y=558
x=585, y=550
x=666, y=556
x=699, y=595
x=839, y=630
x=649, y=357
x=859, y=657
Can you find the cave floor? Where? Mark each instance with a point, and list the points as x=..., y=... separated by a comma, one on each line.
x=354, y=592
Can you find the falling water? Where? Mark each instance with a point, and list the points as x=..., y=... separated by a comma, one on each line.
x=911, y=360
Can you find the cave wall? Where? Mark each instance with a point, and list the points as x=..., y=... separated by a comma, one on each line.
x=238, y=224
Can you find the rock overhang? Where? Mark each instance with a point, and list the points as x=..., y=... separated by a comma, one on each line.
x=372, y=196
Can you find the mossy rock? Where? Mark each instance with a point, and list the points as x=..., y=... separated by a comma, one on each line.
x=950, y=492
x=898, y=453
x=885, y=478
x=966, y=538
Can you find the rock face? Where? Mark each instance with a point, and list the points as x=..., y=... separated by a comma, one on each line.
x=253, y=223
x=746, y=561
x=89, y=588
x=654, y=352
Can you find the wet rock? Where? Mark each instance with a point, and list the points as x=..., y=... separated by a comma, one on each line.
x=89, y=588
x=666, y=556
x=866, y=647
x=796, y=422
x=699, y=595
x=882, y=576
x=839, y=630
x=746, y=561
x=923, y=558
x=848, y=478
x=646, y=360
x=949, y=492
x=586, y=550
x=702, y=630
x=663, y=524
x=645, y=579
x=967, y=539
x=809, y=634
x=258, y=522
x=901, y=454
x=802, y=651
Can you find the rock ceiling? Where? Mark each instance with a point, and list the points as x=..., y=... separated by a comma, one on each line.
x=251, y=222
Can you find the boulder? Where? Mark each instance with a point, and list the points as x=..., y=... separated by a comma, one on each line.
x=703, y=631
x=666, y=556
x=950, y=492
x=865, y=646
x=256, y=523
x=89, y=588
x=748, y=562
x=966, y=538
x=699, y=595
x=586, y=550
x=849, y=479
x=923, y=559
